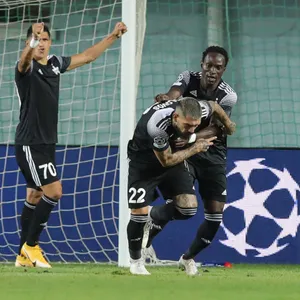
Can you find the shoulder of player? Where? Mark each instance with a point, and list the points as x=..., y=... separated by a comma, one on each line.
x=55, y=60
x=160, y=119
x=206, y=108
x=162, y=113
x=194, y=74
x=226, y=88
x=226, y=96
x=187, y=74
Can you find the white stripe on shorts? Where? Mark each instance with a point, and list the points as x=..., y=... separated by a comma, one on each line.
x=33, y=171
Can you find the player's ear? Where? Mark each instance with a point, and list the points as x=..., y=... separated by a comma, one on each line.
x=175, y=116
x=201, y=64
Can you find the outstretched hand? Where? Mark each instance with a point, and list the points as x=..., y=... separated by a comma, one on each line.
x=37, y=29
x=119, y=29
x=203, y=144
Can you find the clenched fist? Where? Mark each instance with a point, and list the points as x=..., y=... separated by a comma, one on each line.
x=37, y=29
x=120, y=29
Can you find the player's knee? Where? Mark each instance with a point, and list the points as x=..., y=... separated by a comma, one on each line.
x=184, y=213
x=213, y=206
x=56, y=193
x=33, y=196
x=53, y=190
x=185, y=206
x=140, y=211
x=186, y=201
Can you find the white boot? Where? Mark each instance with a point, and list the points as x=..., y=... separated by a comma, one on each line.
x=189, y=266
x=149, y=255
x=137, y=267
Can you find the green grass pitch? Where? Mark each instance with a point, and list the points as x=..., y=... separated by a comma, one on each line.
x=102, y=282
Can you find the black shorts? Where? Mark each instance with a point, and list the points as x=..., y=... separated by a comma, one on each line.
x=211, y=179
x=37, y=164
x=142, y=183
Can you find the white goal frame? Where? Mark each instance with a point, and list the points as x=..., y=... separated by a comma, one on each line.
x=128, y=116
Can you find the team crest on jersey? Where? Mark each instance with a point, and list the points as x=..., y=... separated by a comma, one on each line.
x=194, y=93
x=178, y=81
x=159, y=142
x=55, y=70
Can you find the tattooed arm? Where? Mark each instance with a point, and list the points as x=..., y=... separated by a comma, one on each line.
x=168, y=159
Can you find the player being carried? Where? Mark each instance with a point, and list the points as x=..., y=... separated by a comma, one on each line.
x=37, y=77
x=154, y=164
x=208, y=168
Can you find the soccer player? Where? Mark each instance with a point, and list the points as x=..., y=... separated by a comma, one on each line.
x=208, y=168
x=37, y=78
x=154, y=164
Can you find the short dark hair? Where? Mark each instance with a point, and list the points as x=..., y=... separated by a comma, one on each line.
x=216, y=49
x=46, y=29
x=190, y=107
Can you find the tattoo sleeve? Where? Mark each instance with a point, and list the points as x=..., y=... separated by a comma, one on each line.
x=169, y=159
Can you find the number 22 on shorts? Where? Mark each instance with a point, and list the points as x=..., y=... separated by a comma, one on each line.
x=141, y=193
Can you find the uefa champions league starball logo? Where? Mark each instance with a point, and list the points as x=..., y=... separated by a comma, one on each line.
x=274, y=205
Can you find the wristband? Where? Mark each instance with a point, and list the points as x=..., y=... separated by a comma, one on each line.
x=33, y=43
x=192, y=138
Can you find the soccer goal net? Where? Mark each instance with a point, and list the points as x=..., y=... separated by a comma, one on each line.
x=84, y=226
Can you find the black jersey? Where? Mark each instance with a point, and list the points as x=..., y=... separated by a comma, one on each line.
x=38, y=92
x=154, y=131
x=224, y=95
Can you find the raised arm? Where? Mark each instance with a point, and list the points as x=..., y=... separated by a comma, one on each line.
x=27, y=54
x=96, y=50
x=177, y=89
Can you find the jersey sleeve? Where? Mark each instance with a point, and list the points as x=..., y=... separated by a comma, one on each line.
x=64, y=62
x=206, y=109
x=159, y=137
x=19, y=75
x=228, y=102
x=182, y=81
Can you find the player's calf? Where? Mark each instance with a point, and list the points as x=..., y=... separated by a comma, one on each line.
x=205, y=234
x=183, y=207
x=51, y=194
x=33, y=197
x=135, y=230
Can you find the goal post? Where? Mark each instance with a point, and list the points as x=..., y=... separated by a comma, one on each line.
x=127, y=120
x=134, y=16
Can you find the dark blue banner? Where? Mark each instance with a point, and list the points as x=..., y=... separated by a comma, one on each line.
x=260, y=220
x=261, y=217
